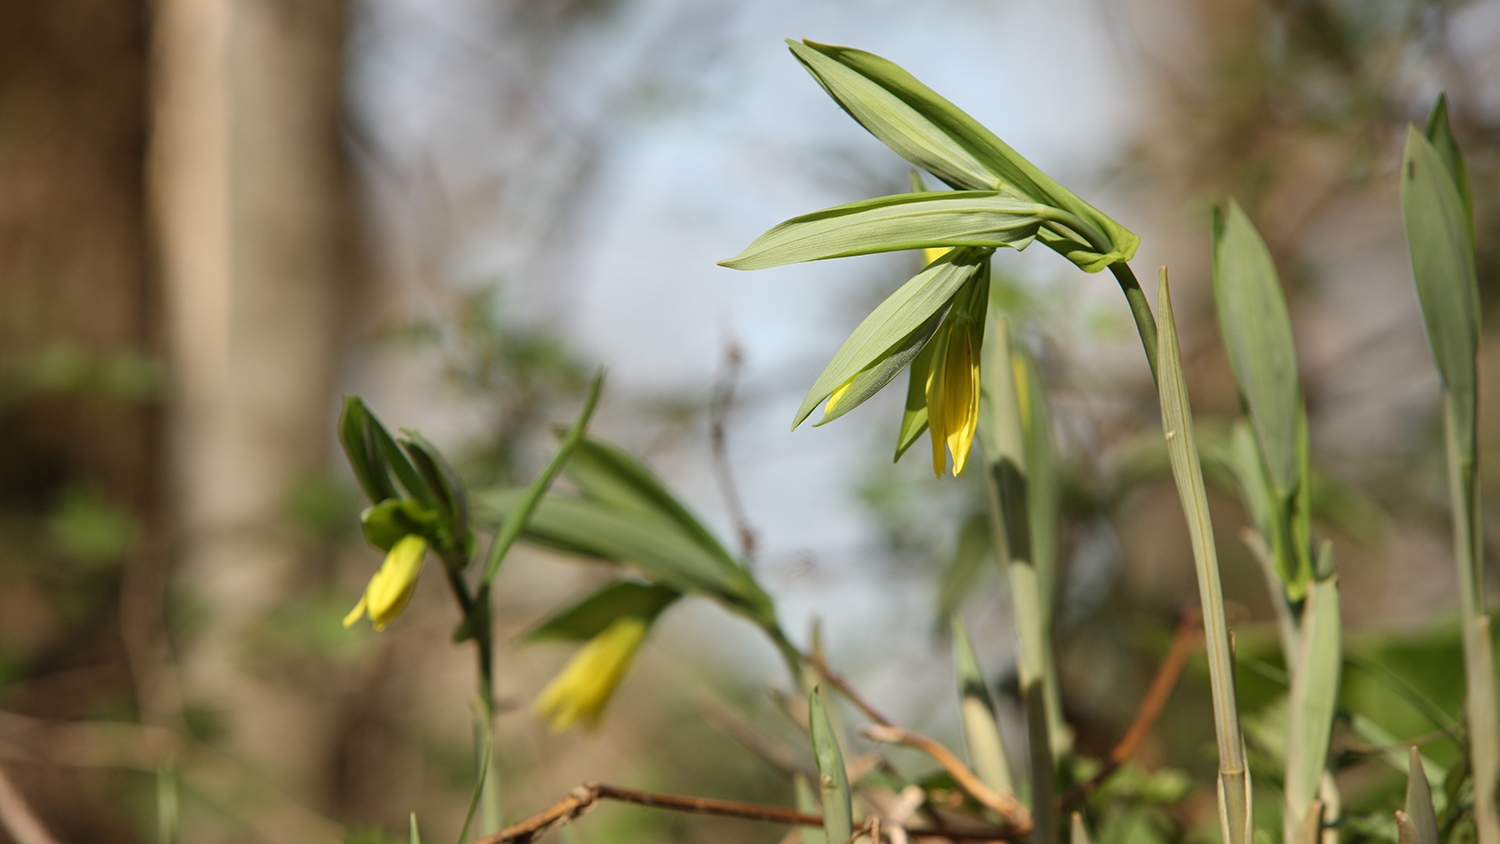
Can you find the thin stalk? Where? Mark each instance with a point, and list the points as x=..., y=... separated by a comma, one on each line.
x=1187, y=472
x=1481, y=705
x=1145, y=323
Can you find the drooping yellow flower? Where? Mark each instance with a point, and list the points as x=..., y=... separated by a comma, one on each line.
x=953, y=394
x=580, y=691
x=392, y=585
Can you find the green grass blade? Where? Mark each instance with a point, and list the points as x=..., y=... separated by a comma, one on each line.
x=168, y=804
x=1314, y=696
x=807, y=803
x=1187, y=472
x=1442, y=257
x=981, y=731
x=515, y=520
x=415, y=836
x=1419, y=809
x=479, y=785
x=981, y=219
x=1257, y=333
x=1440, y=133
x=838, y=808
x=1002, y=435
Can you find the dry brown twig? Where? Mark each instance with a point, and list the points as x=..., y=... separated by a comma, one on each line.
x=1016, y=816
x=584, y=798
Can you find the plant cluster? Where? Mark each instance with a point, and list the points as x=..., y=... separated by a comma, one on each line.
x=969, y=378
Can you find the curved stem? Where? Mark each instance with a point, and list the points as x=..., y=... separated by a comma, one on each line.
x=1145, y=323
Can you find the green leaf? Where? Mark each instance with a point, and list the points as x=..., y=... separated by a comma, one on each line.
x=444, y=484
x=894, y=333
x=1442, y=258
x=981, y=219
x=1314, y=695
x=981, y=732
x=1441, y=136
x=1258, y=335
x=589, y=617
x=518, y=515
x=385, y=523
x=484, y=769
x=914, y=415
x=416, y=836
x=1043, y=488
x=654, y=545
x=838, y=809
x=1187, y=472
x=807, y=803
x=605, y=473
x=937, y=136
x=1421, y=818
x=359, y=447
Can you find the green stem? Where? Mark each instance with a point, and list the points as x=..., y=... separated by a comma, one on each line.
x=1481, y=704
x=1145, y=323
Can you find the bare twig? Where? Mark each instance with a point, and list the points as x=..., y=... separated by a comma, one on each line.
x=17, y=818
x=1189, y=630
x=1016, y=816
x=719, y=405
x=585, y=797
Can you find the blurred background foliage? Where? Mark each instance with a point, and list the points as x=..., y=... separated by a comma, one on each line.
x=218, y=216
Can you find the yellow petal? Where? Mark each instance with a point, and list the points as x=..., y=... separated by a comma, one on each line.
x=932, y=253
x=962, y=385
x=355, y=614
x=392, y=586
x=580, y=691
x=836, y=395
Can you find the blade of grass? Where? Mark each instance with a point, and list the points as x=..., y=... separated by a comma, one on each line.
x=476, y=798
x=981, y=732
x=1003, y=438
x=1187, y=472
x=515, y=520
x=807, y=804
x=838, y=809
x=1314, y=697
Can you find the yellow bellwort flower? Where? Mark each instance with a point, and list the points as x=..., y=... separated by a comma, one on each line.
x=392, y=585
x=953, y=380
x=580, y=691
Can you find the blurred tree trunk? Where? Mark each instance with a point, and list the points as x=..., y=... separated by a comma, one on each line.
x=252, y=211
x=75, y=312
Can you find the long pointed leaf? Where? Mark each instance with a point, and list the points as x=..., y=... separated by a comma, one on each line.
x=1187, y=472
x=838, y=809
x=981, y=731
x=937, y=136
x=983, y=219
x=589, y=617
x=1314, y=695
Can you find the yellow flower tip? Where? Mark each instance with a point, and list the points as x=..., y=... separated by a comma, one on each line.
x=392, y=586
x=355, y=614
x=835, y=397
x=932, y=253
x=953, y=396
x=581, y=690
